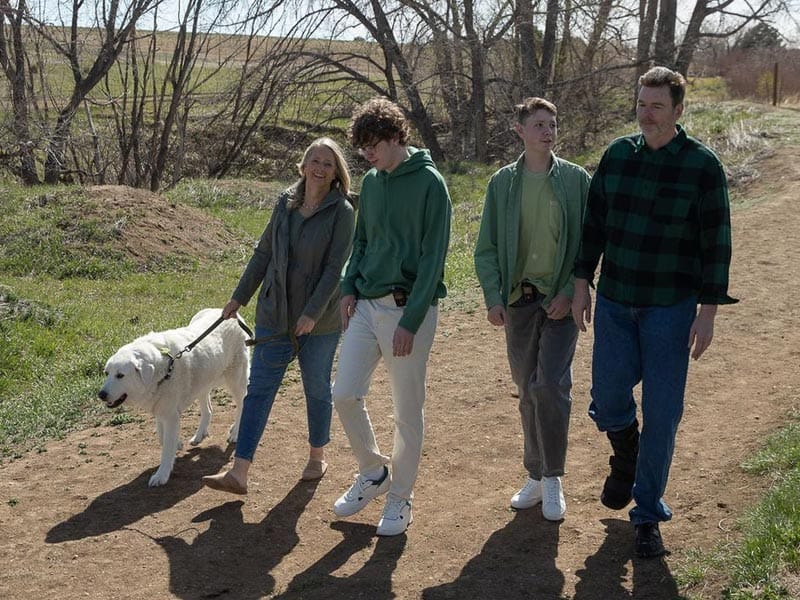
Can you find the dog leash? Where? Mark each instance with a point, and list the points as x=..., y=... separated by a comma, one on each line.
x=189, y=347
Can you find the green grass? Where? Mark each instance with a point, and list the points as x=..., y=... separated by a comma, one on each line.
x=764, y=564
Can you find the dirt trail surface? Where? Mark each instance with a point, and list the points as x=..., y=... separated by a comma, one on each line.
x=78, y=520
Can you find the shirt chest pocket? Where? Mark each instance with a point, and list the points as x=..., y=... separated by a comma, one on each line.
x=672, y=206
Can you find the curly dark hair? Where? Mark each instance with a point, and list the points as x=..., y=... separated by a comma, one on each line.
x=377, y=120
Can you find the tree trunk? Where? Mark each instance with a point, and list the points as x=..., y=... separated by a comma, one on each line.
x=418, y=114
x=526, y=35
x=548, y=45
x=648, y=10
x=664, y=52
x=598, y=30
x=691, y=38
x=56, y=149
x=478, y=89
x=13, y=61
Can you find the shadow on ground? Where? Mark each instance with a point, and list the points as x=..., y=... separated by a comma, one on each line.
x=128, y=503
x=234, y=559
x=605, y=571
x=517, y=561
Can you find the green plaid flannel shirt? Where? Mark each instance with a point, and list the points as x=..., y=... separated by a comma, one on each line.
x=661, y=221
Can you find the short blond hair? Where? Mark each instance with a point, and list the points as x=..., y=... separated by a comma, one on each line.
x=528, y=106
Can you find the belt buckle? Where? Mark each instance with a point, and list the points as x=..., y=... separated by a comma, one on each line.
x=529, y=292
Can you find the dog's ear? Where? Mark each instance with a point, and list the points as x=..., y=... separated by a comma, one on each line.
x=146, y=371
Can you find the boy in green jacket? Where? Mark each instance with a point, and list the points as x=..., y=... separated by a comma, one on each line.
x=389, y=306
x=529, y=237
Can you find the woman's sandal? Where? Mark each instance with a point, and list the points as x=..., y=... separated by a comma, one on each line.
x=225, y=482
x=315, y=469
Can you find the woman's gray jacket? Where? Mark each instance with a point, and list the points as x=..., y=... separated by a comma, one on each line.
x=312, y=282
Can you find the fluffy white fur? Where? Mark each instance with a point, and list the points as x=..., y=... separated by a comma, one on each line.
x=136, y=374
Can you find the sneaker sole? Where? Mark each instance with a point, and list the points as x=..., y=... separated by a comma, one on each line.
x=385, y=533
x=525, y=506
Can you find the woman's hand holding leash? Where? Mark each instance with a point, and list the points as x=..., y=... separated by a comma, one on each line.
x=230, y=309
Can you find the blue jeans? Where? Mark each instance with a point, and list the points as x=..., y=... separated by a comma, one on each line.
x=268, y=365
x=648, y=345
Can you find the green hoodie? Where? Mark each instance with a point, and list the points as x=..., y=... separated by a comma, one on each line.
x=401, y=238
x=498, y=238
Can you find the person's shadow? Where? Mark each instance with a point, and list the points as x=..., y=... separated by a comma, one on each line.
x=234, y=559
x=373, y=580
x=128, y=503
x=605, y=570
x=518, y=561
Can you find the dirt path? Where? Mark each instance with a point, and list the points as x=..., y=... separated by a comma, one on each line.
x=78, y=520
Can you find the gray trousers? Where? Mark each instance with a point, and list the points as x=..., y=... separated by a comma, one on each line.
x=540, y=353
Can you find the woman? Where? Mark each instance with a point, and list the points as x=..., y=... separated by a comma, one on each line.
x=297, y=263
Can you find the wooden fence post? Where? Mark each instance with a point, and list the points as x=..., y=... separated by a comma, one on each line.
x=775, y=84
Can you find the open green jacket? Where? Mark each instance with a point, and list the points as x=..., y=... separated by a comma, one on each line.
x=498, y=238
x=325, y=242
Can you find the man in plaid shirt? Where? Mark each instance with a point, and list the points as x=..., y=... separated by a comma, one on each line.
x=658, y=213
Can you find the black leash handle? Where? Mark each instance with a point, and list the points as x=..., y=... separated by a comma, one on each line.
x=213, y=326
x=250, y=341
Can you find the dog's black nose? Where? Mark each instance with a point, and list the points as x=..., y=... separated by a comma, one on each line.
x=102, y=395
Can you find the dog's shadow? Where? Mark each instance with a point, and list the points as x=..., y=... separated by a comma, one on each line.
x=126, y=504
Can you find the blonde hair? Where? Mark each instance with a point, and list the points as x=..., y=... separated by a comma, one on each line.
x=342, y=179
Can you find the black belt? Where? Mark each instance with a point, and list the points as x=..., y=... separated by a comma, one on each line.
x=530, y=294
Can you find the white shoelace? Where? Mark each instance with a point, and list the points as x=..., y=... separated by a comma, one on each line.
x=553, y=495
x=394, y=506
x=528, y=487
x=361, y=483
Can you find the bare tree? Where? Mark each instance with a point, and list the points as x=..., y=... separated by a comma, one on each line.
x=13, y=60
x=114, y=22
x=536, y=70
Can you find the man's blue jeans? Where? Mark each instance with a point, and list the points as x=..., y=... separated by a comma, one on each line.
x=268, y=366
x=648, y=345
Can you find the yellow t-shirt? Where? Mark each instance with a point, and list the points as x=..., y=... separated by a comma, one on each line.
x=539, y=228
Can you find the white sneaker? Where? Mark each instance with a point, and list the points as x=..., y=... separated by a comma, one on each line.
x=360, y=493
x=554, y=507
x=529, y=495
x=397, y=516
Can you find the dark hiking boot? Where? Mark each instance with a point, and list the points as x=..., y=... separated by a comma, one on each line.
x=648, y=541
x=618, y=487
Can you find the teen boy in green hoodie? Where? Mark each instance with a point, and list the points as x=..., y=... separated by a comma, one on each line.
x=389, y=294
x=529, y=237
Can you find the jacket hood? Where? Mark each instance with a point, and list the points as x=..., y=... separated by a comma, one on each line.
x=418, y=158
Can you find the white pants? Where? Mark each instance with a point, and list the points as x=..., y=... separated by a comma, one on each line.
x=369, y=337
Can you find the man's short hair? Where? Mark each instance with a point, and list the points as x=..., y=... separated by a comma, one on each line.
x=530, y=105
x=662, y=76
x=377, y=120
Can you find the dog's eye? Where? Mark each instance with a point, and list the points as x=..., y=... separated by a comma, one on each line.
x=120, y=375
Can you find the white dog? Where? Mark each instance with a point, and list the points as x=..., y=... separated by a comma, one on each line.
x=146, y=374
